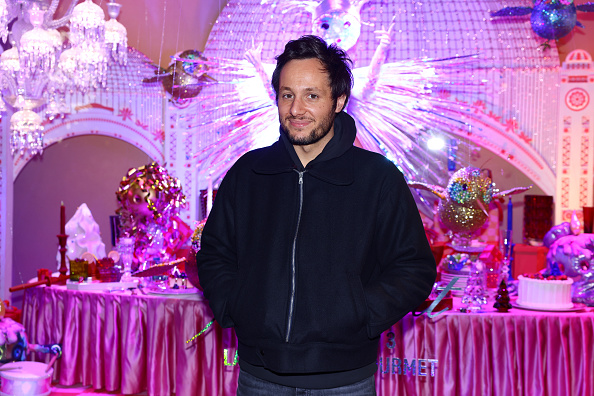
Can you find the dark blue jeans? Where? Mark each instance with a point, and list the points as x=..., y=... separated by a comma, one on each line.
x=248, y=385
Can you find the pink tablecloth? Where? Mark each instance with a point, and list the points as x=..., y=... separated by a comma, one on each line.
x=516, y=353
x=135, y=343
x=132, y=343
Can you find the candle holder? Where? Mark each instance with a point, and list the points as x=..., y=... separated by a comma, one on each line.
x=63, y=267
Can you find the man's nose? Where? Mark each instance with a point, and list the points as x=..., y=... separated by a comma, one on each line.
x=297, y=107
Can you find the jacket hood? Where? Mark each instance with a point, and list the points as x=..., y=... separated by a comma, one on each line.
x=283, y=158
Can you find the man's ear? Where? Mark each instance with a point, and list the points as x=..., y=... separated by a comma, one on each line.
x=340, y=103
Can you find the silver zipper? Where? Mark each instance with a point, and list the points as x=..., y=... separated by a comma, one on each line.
x=293, y=264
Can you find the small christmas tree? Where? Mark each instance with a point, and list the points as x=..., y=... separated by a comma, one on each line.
x=502, y=300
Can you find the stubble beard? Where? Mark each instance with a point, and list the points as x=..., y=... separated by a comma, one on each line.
x=317, y=133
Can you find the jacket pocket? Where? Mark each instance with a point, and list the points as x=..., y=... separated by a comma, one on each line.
x=359, y=297
x=331, y=310
x=257, y=309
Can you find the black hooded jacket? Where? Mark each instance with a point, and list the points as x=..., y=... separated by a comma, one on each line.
x=310, y=265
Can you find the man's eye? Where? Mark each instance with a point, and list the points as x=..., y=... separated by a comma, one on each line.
x=287, y=96
x=313, y=96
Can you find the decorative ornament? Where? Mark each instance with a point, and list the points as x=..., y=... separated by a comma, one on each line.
x=84, y=235
x=200, y=332
x=577, y=99
x=336, y=21
x=463, y=207
x=550, y=19
x=191, y=267
x=399, y=106
x=185, y=77
x=502, y=299
x=150, y=200
x=475, y=292
x=576, y=224
x=197, y=235
x=457, y=261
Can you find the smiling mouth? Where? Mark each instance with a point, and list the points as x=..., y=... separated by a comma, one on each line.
x=299, y=122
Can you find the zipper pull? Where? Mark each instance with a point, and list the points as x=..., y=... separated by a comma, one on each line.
x=301, y=177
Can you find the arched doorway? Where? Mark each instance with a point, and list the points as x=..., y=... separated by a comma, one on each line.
x=83, y=169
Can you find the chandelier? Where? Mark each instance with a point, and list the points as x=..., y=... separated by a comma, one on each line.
x=51, y=57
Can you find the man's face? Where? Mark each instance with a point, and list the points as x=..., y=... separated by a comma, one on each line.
x=305, y=107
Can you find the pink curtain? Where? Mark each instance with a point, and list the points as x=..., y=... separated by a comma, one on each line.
x=138, y=343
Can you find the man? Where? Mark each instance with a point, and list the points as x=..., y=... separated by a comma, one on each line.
x=314, y=247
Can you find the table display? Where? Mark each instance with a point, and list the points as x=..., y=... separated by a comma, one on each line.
x=131, y=343
x=521, y=352
x=135, y=343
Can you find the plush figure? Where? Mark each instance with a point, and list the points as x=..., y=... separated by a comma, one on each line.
x=573, y=255
x=13, y=341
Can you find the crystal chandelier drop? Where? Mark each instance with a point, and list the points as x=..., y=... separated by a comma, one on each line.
x=38, y=46
x=41, y=67
x=3, y=20
x=26, y=132
x=85, y=66
x=116, y=36
x=87, y=24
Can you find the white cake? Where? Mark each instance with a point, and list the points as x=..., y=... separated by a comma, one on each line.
x=544, y=293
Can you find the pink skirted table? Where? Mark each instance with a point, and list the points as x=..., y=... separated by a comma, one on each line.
x=133, y=343
x=517, y=353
